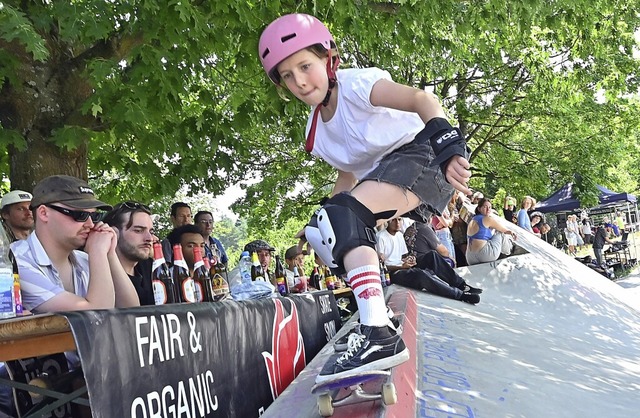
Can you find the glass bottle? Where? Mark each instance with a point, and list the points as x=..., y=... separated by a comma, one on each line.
x=164, y=288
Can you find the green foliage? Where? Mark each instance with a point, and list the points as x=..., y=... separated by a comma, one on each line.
x=170, y=96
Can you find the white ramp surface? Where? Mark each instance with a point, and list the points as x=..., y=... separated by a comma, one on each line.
x=549, y=338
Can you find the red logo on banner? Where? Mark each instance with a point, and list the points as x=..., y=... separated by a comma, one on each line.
x=369, y=293
x=287, y=358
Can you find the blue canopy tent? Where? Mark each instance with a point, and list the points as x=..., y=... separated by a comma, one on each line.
x=607, y=196
x=564, y=201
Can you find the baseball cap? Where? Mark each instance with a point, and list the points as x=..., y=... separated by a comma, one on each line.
x=69, y=190
x=292, y=252
x=15, y=196
x=258, y=245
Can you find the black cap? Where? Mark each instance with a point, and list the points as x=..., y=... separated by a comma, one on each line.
x=69, y=190
x=258, y=244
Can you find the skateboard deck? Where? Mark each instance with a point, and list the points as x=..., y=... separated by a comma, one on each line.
x=25, y=370
x=355, y=388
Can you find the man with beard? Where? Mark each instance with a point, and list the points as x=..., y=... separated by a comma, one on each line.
x=54, y=274
x=17, y=218
x=134, y=226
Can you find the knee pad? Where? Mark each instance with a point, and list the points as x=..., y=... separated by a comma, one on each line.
x=341, y=225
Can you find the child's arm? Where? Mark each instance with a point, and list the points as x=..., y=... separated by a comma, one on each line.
x=345, y=182
x=386, y=93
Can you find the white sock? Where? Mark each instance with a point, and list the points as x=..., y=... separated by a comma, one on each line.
x=366, y=286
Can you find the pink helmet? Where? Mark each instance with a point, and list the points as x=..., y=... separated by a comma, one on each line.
x=287, y=35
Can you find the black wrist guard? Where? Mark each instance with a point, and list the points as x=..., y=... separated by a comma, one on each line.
x=445, y=140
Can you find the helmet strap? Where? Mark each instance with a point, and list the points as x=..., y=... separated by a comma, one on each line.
x=332, y=66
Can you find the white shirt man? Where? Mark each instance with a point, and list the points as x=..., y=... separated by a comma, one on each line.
x=391, y=244
x=54, y=274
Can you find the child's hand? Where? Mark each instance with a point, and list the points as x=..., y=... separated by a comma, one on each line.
x=458, y=174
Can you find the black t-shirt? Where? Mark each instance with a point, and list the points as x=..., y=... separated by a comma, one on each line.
x=425, y=239
x=600, y=238
x=142, y=282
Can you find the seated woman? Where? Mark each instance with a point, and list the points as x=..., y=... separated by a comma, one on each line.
x=536, y=223
x=487, y=237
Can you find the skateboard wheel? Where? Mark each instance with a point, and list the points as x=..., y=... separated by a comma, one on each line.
x=389, y=394
x=325, y=405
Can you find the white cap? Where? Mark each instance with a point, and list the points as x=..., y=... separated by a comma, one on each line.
x=15, y=196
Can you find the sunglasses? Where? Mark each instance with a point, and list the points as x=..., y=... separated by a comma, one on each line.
x=131, y=205
x=78, y=215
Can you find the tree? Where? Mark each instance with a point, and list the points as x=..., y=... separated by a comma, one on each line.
x=146, y=97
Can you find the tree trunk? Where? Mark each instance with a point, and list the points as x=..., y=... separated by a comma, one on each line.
x=42, y=159
x=49, y=97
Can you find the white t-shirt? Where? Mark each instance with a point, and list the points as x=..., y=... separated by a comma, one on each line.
x=392, y=247
x=359, y=134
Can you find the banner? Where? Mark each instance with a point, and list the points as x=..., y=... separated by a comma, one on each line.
x=227, y=359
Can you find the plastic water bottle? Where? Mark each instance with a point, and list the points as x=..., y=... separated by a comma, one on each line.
x=7, y=303
x=245, y=267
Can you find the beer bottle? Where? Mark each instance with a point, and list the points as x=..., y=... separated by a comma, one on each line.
x=164, y=289
x=219, y=285
x=300, y=282
x=387, y=276
x=256, y=268
x=181, y=275
x=281, y=278
x=201, y=279
x=315, y=278
x=7, y=308
x=330, y=280
x=17, y=294
x=383, y=280
x=322, y=284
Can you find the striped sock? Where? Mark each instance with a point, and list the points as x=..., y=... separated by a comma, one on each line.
x=366, y=286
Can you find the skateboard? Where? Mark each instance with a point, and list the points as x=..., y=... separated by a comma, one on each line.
x=355, y=388
x=33, y=369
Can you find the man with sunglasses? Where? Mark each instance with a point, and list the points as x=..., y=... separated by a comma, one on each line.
x=134, y=226
x=54, y=274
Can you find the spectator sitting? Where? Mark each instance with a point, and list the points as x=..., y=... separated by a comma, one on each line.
x=523, y=214
x=487, y=238
x=544, y=232
x=180, y=215
x=509, y=209
x=54, y=274
x=536, y=223
x=459, y=228
x=441, y=225
x=188, y=236
x=475, y=198
x=421, y=236
x=428, y=271
x=132, y=222
x=17, y=218
x=293, y=257
x=204, y=220
x=264, y=251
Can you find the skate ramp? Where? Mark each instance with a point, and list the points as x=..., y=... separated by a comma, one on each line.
x=550, y=338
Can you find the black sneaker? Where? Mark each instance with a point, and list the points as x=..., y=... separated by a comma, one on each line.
x=470, y=289
x=343, y=342
x=375, y=348
x=471, y=298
